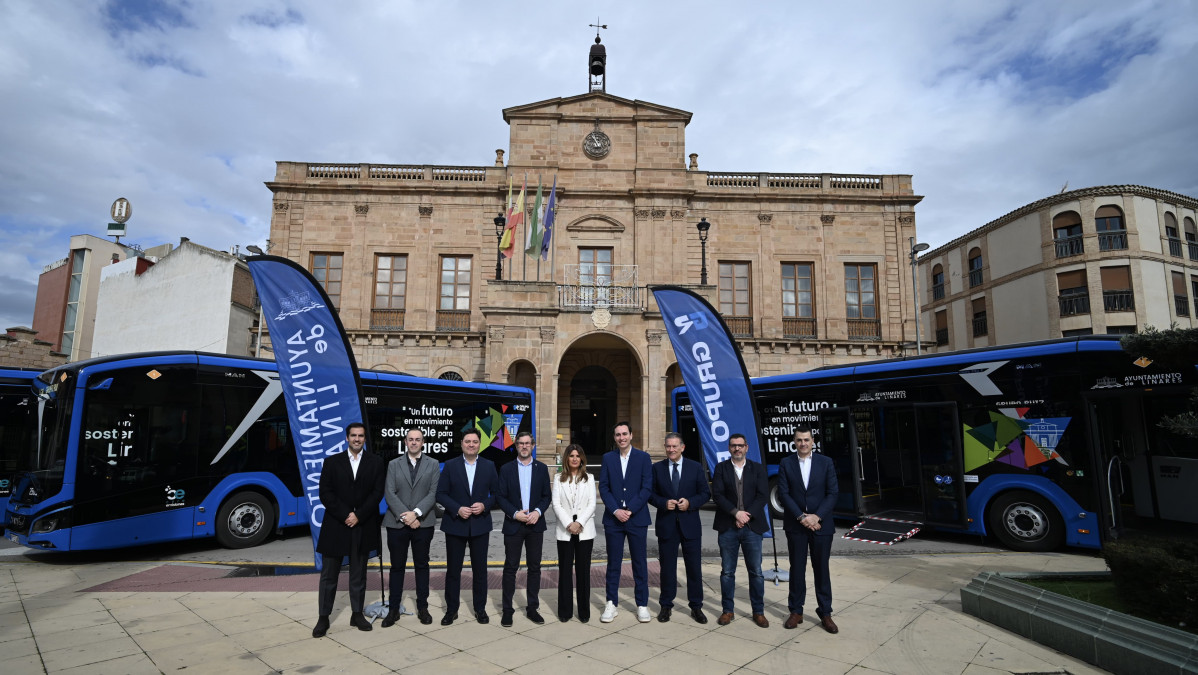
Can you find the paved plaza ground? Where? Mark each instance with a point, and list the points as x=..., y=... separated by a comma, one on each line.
x=897, y=614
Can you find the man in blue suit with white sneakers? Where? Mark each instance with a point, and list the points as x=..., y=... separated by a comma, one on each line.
x=625, y=484
x=808, y=487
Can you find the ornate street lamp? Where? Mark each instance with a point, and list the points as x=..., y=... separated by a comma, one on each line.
x=703, y=226
x=916, y=249
x=257, y=250
x=500, y=223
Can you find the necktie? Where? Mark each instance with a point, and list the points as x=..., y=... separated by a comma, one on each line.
x=674, y=477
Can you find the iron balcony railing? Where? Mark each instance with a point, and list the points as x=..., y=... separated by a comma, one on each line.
x=979, y=325
x=795, y=327
x=741, y=326
x=453, y=320
x=386, y=319
x=975, y=278
x=590, y=286
x=1118, y=301
x=1175, y=247
x=1193, y=249
x=1183, y=305
x=1069, y=246
x=937, y=291
x=1074, y=303
x=864, y=329
x=1112, y=241
x=941, y=336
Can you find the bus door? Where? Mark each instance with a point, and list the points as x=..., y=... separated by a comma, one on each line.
x=838, y=440
x=941, y=475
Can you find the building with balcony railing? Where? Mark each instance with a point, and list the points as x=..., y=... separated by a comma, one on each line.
x=1034, y=271
x=802, y=265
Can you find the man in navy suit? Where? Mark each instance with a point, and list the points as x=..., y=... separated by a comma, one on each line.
x=679, y=489
x=524, y=496
x=625, y=484
x=467, y=491
x=807, y=485
x=740, y=489
x=351, y=487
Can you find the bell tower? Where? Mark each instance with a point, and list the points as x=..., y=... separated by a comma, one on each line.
x=597, y=63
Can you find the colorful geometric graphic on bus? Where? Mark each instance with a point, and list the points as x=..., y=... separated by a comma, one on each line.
x=494, y=430
x=1022, y=443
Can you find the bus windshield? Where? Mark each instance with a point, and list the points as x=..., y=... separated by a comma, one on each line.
x=54, y=390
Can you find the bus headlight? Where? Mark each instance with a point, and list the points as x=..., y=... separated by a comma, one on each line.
x=51, y=522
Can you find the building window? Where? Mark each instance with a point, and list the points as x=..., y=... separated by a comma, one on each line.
x=453, y=313
x=979, y=318
x=937, y=282
x=736, y=297
x=1074, y=296
x=1067, y=234
x=941, y=328
x=1180, y=300
x=78, y=260
x=326, y=267
x=798, y=300
x=1112, y=234
x=1079, y=332
x=390, y=289
x=975, y=268
x=594, y=266
x=1172, y=235
x=450, y=375
x=1116, y=289
x=1191, y=238
x=861, y=308
x=1120, y=330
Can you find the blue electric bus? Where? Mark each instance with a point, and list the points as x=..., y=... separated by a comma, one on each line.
x=1039, y=444
x=155, y=447
x=18, y=425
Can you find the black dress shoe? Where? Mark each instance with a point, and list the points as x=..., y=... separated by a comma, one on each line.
x=505, y=619
x=584, y=617
x=448, y=618
x=358, y=620
x=424, y=616
x=390, y=619
x=322, y=627
x=665, y=613
x=481, y=616
x=535, y=616
x=698, y=615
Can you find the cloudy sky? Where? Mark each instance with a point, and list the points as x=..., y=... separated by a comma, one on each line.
x=183, y=107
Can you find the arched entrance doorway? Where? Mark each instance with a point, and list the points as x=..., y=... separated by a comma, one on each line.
x=600, y=383
x=592, y=408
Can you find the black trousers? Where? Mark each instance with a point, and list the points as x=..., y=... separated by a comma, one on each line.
x=455, y=555
x=574, y=558
x=531, y=543
x=330, y=570
x=799, y=543
x=692, y=551
x=398, y=541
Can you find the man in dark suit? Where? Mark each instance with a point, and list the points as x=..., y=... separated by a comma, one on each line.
x=524, y=496
x=740, y=489
x=679, y=489
x=625, y=484
x=807, y=485
x=351, y=487
x=411, y=492
x=467, y=491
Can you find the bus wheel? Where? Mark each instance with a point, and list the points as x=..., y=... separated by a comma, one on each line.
x=244, y=520
x=1025, y=521
x=776, y=510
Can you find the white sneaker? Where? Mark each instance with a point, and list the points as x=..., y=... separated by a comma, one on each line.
x=609, y=612
x=642, y=614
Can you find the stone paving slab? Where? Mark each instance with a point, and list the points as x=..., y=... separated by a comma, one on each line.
x=898, y=614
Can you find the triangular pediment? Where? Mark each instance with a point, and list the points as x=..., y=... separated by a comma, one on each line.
x=592, y=105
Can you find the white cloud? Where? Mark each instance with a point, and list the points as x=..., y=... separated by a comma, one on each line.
x=185, y=108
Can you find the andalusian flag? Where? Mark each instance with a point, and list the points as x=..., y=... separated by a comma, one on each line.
x=533, y=245
x=547, y=221
x=515, y=217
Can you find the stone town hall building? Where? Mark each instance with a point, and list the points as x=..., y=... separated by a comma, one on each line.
x=808, y=269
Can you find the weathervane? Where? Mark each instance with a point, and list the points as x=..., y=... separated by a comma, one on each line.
x=597, y=26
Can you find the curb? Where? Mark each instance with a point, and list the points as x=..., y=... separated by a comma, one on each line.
x=1102, y=637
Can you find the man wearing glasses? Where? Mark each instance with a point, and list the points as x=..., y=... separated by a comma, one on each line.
x=740, y=489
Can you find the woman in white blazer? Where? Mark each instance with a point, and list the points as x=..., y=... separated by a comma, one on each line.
x=574, y=506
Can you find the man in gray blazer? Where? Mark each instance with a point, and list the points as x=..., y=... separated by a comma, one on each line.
x=411, y=493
